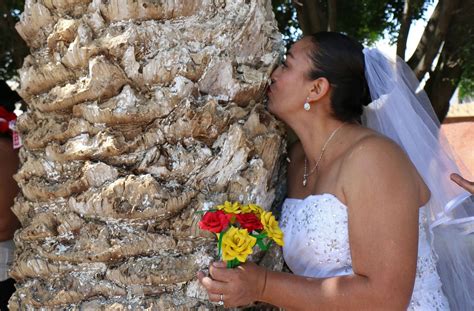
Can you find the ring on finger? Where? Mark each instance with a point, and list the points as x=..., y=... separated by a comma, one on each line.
x=221, y=301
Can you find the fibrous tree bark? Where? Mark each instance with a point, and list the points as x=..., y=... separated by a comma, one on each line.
x=140, y=113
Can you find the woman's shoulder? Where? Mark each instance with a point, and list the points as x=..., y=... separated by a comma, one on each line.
x=376, y=159
x=372, y=147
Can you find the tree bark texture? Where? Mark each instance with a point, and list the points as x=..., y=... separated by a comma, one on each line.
x=140, y=113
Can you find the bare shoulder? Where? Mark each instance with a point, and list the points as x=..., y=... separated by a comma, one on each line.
x=377, y=162
x=374, y=150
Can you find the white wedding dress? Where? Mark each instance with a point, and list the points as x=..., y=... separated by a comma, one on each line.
x=317, y=245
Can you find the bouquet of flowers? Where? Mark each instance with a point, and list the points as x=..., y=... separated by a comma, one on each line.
x=239, y=228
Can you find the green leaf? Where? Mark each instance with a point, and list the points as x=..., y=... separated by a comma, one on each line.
x=233, y=263
x=259, y=236
x=203, y=212
x=219, y=243
x=262, y=245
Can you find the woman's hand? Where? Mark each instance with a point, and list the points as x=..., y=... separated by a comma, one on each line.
x=239, y=286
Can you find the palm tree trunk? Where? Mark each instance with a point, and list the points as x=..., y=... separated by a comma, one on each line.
x=140, y=113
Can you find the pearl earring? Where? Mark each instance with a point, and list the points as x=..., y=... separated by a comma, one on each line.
x=306, y=105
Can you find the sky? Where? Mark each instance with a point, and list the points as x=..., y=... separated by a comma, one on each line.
x=416, y=31
x=414, y=36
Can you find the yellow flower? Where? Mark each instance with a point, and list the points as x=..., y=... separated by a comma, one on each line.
x=252, y=208
x=230, y=208
x=237, y=243
x=271, y=228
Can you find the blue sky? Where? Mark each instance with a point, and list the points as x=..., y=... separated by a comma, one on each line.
x=416, y=31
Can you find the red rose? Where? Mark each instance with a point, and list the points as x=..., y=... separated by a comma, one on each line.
x=249, y=221
x=5, y=118
x=215, y=221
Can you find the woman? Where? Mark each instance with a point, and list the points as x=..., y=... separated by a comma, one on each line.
x=351, y=221
x=8, y=190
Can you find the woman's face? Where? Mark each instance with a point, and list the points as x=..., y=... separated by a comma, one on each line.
x=290, y=85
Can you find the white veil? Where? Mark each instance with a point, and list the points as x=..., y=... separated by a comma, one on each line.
x=403, y=112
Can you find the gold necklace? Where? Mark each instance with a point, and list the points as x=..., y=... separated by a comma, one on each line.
x=305, y=174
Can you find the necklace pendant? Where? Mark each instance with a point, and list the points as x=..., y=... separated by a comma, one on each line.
x=304, y=182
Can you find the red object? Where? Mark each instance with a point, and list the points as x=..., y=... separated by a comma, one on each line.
x=215, y=221
x=249, y=221
x=5, y=118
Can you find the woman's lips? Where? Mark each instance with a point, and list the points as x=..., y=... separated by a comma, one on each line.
x=269, y=89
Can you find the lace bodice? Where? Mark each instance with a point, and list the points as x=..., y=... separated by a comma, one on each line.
x=317, y=245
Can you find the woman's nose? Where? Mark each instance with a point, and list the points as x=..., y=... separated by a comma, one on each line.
x=274, y=74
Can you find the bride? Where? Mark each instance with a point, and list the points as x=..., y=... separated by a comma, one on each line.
x=362, y=209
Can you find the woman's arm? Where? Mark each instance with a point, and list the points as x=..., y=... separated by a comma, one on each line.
x=383, y=198
x=8, y=189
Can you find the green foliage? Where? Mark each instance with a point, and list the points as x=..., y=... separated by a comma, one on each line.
x=285, y=14
x=12, y=47
x=466, y=86
x=365, y=20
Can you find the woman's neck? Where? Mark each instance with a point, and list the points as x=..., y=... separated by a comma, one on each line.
x=315, y=132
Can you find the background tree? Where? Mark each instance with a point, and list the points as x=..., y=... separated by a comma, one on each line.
x=445, y=53
x=12, y=47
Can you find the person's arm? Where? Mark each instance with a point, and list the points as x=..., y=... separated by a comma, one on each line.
x=383, y=202
x=8, y=189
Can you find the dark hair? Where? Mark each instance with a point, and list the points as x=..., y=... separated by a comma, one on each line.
x=8, y=98
x=340, y=59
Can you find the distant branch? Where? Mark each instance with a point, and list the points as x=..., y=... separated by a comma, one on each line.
x=405, y=25
x=332, y=12
x=311, y=16
x=445, y=78
x=433, y=36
